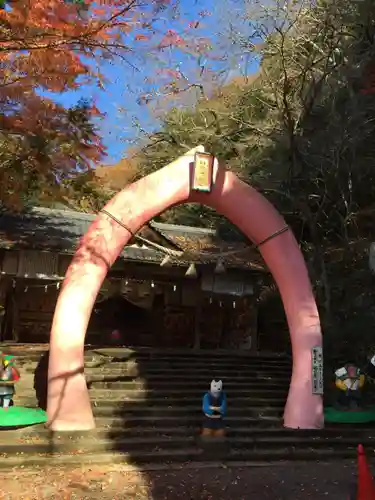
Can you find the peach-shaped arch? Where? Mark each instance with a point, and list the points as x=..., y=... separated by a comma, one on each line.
x=69, y=406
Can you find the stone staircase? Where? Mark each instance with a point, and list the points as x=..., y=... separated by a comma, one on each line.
x=147, y=406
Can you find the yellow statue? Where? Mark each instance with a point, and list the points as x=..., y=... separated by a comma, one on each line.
x=349, y=381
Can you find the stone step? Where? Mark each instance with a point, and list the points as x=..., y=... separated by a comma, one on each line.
x=93, y=445
x=177, y=362
x=125, y=384
x=232, y=390
x=129, y=409
x=118, y=421
x=193, y=373
x=147, y=408
x=210, y=453
x=34, y=351
x=161, y=412
x=300, y=453
x=186, y=402
x=195, y=420
x=155, y=366
x=153, y=371
x=200, y=386
x=141, y=393
x=205, y=378
x=40, y=434
x=109, y=420
x=118, y=394
x=159, y=443
x=172, y=362
x=141, y=457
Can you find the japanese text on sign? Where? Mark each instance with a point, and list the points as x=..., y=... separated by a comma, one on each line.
x=317, y=370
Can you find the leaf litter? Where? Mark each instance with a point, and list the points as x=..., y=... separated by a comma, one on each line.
x=311, y=481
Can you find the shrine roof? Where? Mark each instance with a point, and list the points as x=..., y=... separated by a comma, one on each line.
x=60, y=230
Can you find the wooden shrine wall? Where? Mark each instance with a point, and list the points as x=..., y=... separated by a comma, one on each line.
x=179, y=314
x=35, y=308
x=165, y=325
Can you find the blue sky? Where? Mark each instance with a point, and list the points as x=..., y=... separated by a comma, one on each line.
x=119, y=98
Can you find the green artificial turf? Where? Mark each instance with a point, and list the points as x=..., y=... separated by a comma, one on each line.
x=333, y=415
x=18, y=416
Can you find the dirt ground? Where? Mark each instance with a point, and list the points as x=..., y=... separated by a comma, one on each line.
x=280, y=482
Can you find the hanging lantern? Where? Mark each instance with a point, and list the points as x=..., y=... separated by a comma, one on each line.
x=192, y=271
x=220, y=268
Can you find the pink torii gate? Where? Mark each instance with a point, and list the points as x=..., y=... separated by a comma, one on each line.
x=69, y=406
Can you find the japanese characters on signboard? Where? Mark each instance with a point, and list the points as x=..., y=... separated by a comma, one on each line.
x=202, y=173
x=317, y=370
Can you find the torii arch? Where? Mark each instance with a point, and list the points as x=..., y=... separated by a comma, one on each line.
x=69, y=406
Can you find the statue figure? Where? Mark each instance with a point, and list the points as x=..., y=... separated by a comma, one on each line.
x=9, y=375
x=214, y=407
x=352, y=401
x=349, y=382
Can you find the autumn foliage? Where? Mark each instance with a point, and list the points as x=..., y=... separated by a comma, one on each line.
x=55, y=46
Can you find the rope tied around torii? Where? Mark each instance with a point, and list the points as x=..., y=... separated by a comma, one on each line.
x=180, y=254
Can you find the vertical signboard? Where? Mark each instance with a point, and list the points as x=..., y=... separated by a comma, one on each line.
x=317, y=370
x=202, y=172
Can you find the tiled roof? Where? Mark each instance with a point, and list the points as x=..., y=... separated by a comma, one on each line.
x=207, y=243
x=60, y=230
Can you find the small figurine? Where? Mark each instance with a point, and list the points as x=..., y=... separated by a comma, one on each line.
x=214, y=407
x=9, y=375
x=349, y=382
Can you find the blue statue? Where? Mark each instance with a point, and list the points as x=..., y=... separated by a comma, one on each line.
x=214, y=407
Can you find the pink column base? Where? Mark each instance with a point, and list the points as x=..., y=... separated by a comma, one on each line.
x=69, y=405
x=70, y=394
x=304, y=410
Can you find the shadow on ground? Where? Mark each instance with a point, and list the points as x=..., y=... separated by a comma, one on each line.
x=155, y=424
x=163, y=424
